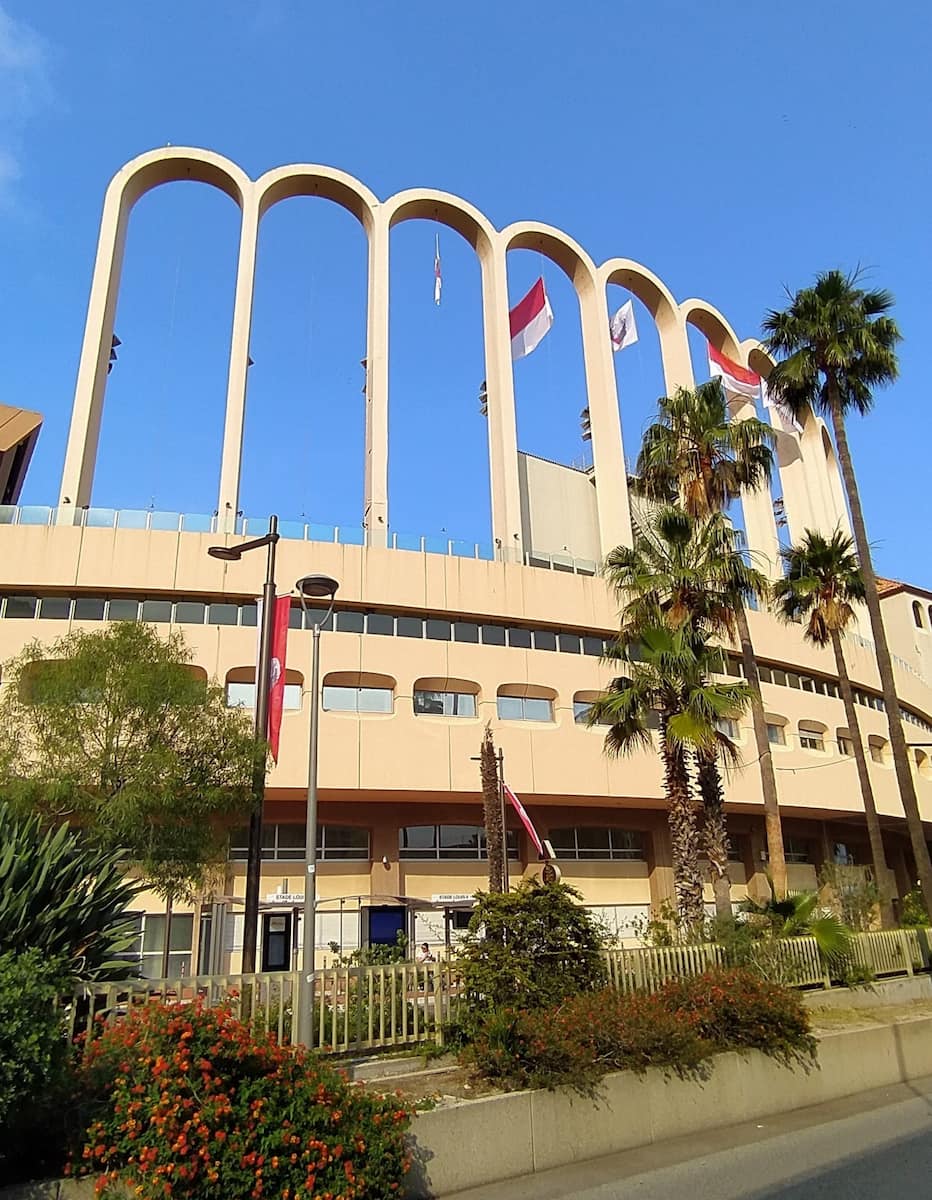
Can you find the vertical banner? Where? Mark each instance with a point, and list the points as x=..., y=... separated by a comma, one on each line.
x=277, y=671
x=525, y=819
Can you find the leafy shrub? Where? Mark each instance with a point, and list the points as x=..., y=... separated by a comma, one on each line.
x=913, y=913
x=34, y=1061
x=188, y=1102
x=677, y=1028
x=853, y=894
x=737, y=1010
x=528, y=948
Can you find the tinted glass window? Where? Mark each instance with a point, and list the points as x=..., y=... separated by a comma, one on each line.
x=537, y=710
x=520, y=638
x=217, y=614
x=248, y=615
x=592, y=843
x=438, y=630
x=570, y=643
x=55, y=608
x=157, y=610
x=510, y=708
x=465, y=631
x=339, y=699
x=493, y=635
x=409, y=627
x=459, y=841
x=765, y=674
x=350, y=622
x=88, y=608
x=380, y=623
x=295, y=617
x=593, y=646
x=545, y=639
x=445, y=704
x=123, y=610
x=21, y=606
x=190, y=612
x=417, y=841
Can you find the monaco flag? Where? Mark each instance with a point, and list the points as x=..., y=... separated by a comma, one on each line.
x=735, y=378
x=277, y=669
x=530, y=321
x=525, y=819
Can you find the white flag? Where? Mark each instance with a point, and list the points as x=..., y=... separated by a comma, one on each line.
x=780, y=416
x=624, y=330
x=438, y=278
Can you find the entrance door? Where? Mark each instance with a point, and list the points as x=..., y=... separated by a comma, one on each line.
x=276, y=942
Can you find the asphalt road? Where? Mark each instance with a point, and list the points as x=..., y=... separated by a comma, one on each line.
x=876, y=1146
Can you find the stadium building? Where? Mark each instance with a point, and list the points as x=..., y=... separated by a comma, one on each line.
x=431, y=639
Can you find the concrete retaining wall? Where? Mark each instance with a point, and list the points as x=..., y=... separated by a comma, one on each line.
x=878, y=994
x=483, y=1141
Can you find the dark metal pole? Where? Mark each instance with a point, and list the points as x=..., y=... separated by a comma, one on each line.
x=306, y=1005
x=254, y=853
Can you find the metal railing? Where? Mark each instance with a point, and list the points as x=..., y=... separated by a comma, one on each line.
x=302, y=531
x=409, y=1004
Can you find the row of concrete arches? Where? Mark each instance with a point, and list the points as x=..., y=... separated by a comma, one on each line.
x=810, y=479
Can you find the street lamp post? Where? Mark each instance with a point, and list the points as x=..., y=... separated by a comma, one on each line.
x=254, y=852
x=315, y=587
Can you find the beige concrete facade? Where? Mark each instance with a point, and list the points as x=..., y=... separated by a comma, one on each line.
x=413, y=623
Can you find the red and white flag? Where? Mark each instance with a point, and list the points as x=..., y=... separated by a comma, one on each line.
x=438, y=278
x=622, y=326
x=530, y=321
x=781, y=418
x=735, y=378
x=525, y=819
x=276, y=669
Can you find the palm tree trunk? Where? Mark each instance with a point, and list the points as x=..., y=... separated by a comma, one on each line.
x=867, y=792
x=768, y=779
x=492, y=812
x=904, y=774
x=169, y=905
x=714, y=832
x=684, y=835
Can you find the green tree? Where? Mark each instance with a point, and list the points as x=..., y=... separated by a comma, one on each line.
x=837, y=343
x=822, y=582
x=115, y=733
x=64, y=899
x=690, y=573
x=695, y=454
x=667, y=683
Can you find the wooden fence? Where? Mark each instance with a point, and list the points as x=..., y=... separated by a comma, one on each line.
x=408, y=1004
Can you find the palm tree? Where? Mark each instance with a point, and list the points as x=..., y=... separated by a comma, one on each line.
x=822, y=581
x=837, y=344
x=689, y=574
x=667, y=680
x=694, y=453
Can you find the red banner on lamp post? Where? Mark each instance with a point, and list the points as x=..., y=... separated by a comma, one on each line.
x=277, y=671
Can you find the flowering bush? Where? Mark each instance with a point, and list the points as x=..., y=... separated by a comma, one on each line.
x=580, y=1040
x=188, y=1102
x=737, y=1010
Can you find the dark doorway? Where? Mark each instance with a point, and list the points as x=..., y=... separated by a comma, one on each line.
x=276, y=942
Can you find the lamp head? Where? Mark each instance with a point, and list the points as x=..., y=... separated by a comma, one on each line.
x=317, y=587
x=227, y=553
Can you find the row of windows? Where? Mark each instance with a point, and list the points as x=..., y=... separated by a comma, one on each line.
x=384, y=624
x=340, y=843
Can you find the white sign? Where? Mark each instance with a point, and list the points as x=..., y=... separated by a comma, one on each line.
x=452, y=898
x=285, y=898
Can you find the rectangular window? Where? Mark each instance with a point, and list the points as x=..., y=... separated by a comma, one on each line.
x=21, y=607
x=445, y=704
x=764, y=673
x=89, y=608
x=382, y=624
x=733, y=666
x=776, y=734
x=811, y=741
x=190, y=612
x=876, y=752
x=545, y=639
x=792, y=680
x=219, y=614
x=570, y=643
x=465, y=631
x=520, y=638
x=295, y=617
x=123, y=610
x=286, y=843
x=595, y=842
x=795, y=850
x=358, y=700
x=150, y=944
x=524, y=708
x=779, y=677
x=410, y=627
x=462, y=842
x=243, y=695
x=493, y=635
x=807, y=683
x=55, y=608
x=593, y=646
x=845, y=746
x=248, y=615
x=437, y=630
x=350, y=622
x=158, y=611
x=728, y=727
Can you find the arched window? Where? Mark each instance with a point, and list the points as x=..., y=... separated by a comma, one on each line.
x=358, y=692
x=525, y=702
x=582, y=702
x=776, y=729
x=922, y=764
x=917, y=614
x=845, y=744
x=878, y=748
x=442, y=697
x=812, y=736
x=930, y=616
x=241, y=688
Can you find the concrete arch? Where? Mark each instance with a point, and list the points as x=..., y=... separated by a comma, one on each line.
x=660, y=302
x=713, y=326
x=311, y=179
x=426, y=204
x=170, y=164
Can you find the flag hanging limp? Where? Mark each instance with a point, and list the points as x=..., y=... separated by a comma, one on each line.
x=525, y=819
x=530, y=321
x=734, y=377
x=624, y=330
x=438, y=278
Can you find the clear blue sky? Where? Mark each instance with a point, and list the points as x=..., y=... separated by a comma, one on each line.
x=735, y=148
